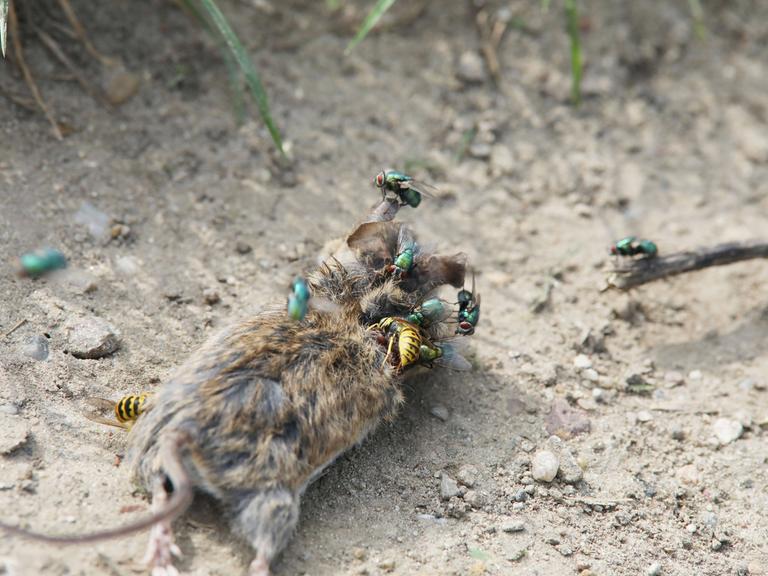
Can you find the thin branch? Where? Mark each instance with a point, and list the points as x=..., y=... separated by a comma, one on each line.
x=59, y=54
x=13, y=28
x=18, y=325
x=645, y=270
x=80, y=32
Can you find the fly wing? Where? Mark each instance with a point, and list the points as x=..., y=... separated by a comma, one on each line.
x=452, y=358
x=423, y=188
x=406, y=239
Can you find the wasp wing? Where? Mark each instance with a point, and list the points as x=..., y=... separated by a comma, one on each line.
x=96, y=407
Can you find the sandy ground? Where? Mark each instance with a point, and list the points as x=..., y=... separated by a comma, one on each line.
x=671, y=143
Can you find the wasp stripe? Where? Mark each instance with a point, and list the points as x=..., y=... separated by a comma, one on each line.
x=409, y=346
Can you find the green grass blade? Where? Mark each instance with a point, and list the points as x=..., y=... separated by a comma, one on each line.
x=370, y=21
x=698, y=18
x=3, y=24
x=572, y=19
x=245, y=64
x=233, y=72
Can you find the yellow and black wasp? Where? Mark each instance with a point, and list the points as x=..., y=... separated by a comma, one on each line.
x=126, y=410
x=404, y=347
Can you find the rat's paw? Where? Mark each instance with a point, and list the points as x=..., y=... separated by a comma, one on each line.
x=161, y=550
x=259, y=567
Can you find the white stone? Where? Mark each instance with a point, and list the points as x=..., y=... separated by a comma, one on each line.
x=582, y=362
x=644, y=416
x=544, y=466
x=727, y=430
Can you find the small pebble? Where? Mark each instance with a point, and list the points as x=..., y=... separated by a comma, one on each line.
x=9, y=408
x=678, y=434
x=36, y=347
x=591, y=375
x=243, y=248
x=569, y=471
x=120, y=85
x=474, y=498
x=544, y=466
x=480, y=150
x=513, y=526
x=688, y=475
x=565, y=550
x=582, y=362
x=467, y=475
x=91, y=337
x=727, y=430
x=471, y=68
x=654, y=569
x=387, y=565
x=440, y=412
x=14, y=432
x=211, y=297
x=517, y=554
x=521, y=495
x=448, y=487
x=644, y=416
x=695, y=375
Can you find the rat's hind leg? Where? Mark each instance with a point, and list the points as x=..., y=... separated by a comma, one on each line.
x=161, y=548
x=267, y=519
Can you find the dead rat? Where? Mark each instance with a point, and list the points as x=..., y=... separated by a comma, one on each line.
x=259, y=411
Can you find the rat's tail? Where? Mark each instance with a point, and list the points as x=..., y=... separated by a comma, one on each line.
x=173, y=467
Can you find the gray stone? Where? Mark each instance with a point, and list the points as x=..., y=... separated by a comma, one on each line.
x=448, y=487
x=544, y=466
x=9, y=408
x=654, y=569
x=474, y=498
x=14, y=432
x=467, y=475
x=565, y=421
x=471, y=68
x=91, y=337
x=569, y=471
x=440, y=412
x=36, y=347
x=513, y=526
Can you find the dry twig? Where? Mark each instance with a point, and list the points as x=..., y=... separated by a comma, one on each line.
x=646, y=270
x=59, y=54
x=491, y=34
x=18, y=325
x=13, y=29
x=80, y=32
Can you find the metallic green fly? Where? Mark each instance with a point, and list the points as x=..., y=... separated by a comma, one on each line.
x=469, y=310
x=631, y=246
x=408, y=190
